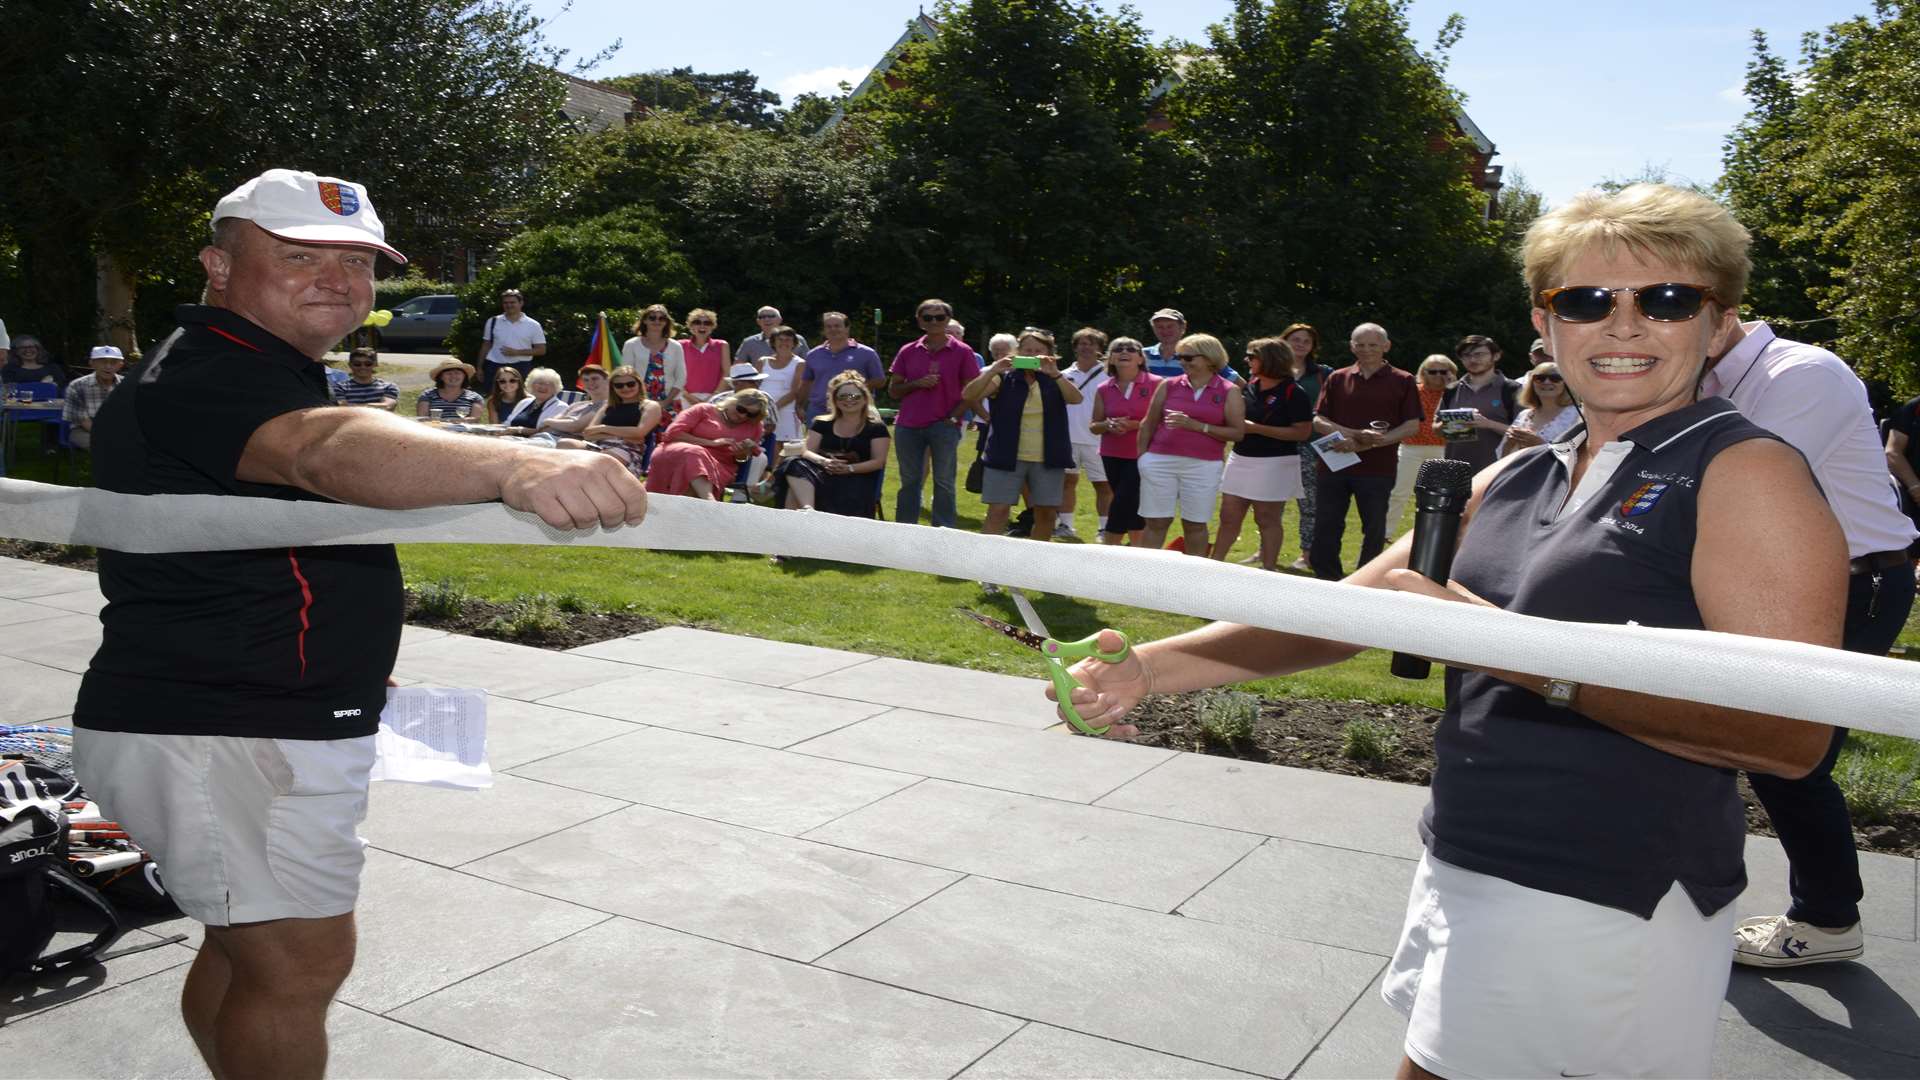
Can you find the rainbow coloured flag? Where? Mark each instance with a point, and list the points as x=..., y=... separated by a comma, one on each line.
x=600, y=350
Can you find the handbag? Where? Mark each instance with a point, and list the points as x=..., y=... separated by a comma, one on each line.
x=977, y=475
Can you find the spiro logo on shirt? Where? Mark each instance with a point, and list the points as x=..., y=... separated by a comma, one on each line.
x=341, y=714
x=1642, y=500
x=339, y=198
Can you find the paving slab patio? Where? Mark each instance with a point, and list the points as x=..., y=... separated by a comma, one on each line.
x=716, y=856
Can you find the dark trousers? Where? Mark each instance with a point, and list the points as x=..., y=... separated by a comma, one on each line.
x=1335, y=489
x=1123, y=476
x=1810, y=813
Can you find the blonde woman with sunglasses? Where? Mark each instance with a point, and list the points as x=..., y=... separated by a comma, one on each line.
x=845, y=451
x=702, y=450
x=1572, y=914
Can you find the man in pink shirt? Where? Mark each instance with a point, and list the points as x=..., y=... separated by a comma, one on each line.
x=1813, y=400
x=926, y=379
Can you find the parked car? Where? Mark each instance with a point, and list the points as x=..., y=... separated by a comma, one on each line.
x=419, y=323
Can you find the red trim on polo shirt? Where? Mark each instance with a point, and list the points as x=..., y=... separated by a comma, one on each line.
x=243, y=343
x=306, y=604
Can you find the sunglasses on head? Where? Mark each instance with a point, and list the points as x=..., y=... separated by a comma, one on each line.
x=1666, y=301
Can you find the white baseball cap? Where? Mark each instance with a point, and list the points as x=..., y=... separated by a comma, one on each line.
x=308, y=209
x=106, y=352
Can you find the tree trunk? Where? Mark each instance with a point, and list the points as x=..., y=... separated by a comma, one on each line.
x=114, y=295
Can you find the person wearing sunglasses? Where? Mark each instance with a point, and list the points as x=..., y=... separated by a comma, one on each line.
x=363, y=388
x=1183, y=441
x=708, y=358
x=927, y=378
x=1494, y=399
x=1547, y=411
x=838, y=469
x=1308, y=373
x=654, y=353
x=509, y=387
x=704, y=446
x=1584, y=844
x=1434, y=377
x=622, y=420
x=1119, y=406
x=1261, y=475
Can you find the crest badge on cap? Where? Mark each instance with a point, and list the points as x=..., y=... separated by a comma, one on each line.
x=339, y=198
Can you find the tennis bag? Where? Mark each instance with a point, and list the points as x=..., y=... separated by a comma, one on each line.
x=33, y=871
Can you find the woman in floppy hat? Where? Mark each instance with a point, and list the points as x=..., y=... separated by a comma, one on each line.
x=449, y=398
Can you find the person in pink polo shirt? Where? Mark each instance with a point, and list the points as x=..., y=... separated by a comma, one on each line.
x=926, y=379
x=1119, y=404
x=1183, y=442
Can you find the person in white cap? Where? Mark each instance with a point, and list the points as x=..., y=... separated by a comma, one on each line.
x=228, y=716
x=87, y=393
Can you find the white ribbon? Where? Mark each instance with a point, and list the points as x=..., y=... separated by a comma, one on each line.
x=1776, y=677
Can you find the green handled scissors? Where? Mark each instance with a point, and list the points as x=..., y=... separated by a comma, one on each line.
x=1059, y=654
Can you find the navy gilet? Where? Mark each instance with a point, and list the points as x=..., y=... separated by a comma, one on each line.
x=1542, y=796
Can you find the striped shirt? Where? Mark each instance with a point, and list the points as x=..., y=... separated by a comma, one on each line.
x=353, y=392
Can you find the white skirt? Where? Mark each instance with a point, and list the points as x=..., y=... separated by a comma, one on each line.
x=1262, y=479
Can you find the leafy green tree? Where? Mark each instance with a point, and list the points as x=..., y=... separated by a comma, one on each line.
x=732, y=97
x=810, y=112
x=1330, y=180
x=1014, y=146
x=1826, y=172
x=617, y=263
x=126, y=119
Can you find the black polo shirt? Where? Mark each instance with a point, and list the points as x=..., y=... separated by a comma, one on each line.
x=1282, y=405
x=1545, y=797
x=289, y=643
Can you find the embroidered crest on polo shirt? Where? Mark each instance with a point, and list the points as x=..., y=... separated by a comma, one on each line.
x=339, y=198
x=1643, y=499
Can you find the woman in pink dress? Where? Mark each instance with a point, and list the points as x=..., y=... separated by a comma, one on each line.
x=703, y=448
x=707, y=357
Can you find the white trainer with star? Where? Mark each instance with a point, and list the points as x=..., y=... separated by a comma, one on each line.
x=1776, y=941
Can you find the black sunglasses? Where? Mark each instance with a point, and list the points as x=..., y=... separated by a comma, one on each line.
x=1188, y=358
x=935, y=318
x=1667, y=301
x=625, y=385
x=1548, y=378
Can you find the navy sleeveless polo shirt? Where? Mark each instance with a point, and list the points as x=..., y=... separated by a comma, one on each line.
x=1542, y=796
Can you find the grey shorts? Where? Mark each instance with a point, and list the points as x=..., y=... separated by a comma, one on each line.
x=1045, y=486
x=243, y=830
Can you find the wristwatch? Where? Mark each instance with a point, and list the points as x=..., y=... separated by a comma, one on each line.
x=1560, y=693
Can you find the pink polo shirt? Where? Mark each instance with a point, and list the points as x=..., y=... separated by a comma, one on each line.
x=1207, y=405
x=1125, y=403
x=703, y=365
x=958, y=367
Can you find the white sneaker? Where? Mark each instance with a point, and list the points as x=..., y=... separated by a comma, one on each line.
x=1063, y=530
x=1776, y=941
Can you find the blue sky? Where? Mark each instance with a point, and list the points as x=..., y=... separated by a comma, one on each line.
x=1569, y=94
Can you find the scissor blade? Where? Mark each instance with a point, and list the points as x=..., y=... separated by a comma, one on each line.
x=1027, y=614
x=1012, y=631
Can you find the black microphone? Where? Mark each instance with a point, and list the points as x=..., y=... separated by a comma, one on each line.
x=1439, y=495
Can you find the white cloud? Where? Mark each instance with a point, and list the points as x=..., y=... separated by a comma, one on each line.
x=824, y=80
x=1735, y=95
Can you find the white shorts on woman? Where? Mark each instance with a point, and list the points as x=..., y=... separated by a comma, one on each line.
x=1498, y=980
x=1262, y=479
x=1169, y=479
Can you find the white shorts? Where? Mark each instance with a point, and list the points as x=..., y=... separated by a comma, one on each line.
x=243, y=830
x=1262, y=479
x=1167, y=479
x=1500, y=980
x=1086, y=461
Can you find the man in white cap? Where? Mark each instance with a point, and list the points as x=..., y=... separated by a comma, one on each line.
x=87, y=393
x=228, y=717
